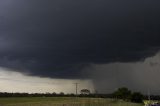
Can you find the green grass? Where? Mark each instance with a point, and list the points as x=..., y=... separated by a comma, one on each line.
x=62, y=101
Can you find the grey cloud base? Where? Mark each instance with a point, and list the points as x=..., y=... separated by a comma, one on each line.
x=59, y=38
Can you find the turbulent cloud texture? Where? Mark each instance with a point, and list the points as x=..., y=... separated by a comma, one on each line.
x=59, y=38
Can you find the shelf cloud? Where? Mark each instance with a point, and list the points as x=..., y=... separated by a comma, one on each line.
x=60, y=39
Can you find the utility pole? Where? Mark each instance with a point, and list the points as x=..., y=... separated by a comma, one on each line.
x=76, y=84
x=149, y=98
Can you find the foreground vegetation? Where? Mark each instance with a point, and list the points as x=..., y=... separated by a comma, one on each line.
x=62, y=101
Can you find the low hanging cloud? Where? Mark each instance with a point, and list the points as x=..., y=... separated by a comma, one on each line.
x=58, y=39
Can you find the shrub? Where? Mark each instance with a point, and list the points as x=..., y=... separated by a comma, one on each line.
x=137, y=97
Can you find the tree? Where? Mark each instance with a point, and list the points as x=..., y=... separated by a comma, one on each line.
x=85, y=91
x=61, y=94
x=137, y=97
x=122, y=93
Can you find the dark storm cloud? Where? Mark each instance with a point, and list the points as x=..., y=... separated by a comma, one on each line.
x=57, y=38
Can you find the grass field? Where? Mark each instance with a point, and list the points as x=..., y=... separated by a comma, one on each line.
x=62, y=101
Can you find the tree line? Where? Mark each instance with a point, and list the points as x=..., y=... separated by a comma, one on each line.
x=6, y=94
x=137, y=97
x=121, y=93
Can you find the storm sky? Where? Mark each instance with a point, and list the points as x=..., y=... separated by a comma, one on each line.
x=99, y=40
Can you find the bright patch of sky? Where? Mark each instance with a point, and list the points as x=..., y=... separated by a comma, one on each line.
x=11, y=81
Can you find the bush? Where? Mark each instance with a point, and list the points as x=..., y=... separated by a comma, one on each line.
x=137, y=97
x=122, y=93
